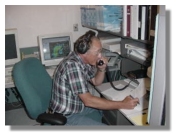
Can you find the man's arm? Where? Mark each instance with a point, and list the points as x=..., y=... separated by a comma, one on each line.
x=99, y=77
x=104, y=104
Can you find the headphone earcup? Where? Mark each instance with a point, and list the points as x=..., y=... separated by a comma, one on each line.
x=82, y=47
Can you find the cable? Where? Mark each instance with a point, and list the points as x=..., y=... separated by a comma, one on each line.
x=109, y=78
x=18, y=104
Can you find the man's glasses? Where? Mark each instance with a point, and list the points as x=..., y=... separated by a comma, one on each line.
x=96, y=52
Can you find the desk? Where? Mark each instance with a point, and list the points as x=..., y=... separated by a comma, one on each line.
x=122, y=116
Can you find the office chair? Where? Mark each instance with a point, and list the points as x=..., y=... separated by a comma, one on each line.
x=34, y=86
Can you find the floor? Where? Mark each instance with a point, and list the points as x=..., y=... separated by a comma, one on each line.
x=16, y=115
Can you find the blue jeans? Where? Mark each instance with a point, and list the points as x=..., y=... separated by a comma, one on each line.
x=89, y=116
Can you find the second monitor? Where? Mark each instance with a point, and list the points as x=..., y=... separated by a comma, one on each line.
x=54, y=47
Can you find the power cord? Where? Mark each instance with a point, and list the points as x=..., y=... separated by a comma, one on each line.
x=109, y=78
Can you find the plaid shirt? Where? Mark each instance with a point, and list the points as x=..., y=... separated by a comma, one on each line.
x=70, y=79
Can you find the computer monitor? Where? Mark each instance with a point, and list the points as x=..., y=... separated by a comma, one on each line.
x=12, y=51
x=54, y=47
x=156, y=109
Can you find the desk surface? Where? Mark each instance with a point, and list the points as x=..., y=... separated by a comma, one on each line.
x=137, y=116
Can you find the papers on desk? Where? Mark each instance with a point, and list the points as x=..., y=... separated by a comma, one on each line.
x=138, y=92
x=115, y=95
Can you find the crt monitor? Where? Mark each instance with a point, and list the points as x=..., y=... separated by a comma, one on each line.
x=12, y=51
x=54, y=47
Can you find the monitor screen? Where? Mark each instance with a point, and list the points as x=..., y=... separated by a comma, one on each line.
x=12, y=52
x=54, y=47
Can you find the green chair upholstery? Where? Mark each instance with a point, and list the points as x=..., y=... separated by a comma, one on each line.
x=34, y=86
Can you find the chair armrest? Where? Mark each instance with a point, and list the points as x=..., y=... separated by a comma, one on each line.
x=53, y=119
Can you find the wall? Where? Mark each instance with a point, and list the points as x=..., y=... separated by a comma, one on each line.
x=34, y=20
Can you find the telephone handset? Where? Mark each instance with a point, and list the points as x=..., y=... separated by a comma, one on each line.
x=100, y=63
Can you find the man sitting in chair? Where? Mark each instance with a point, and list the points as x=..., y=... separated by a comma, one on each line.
x=70, y=92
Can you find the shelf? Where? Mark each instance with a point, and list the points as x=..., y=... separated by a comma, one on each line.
x=120, y=35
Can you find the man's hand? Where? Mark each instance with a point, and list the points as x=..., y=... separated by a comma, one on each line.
x=130, y=103
x=103, y=67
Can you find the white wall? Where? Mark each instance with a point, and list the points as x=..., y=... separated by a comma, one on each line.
x=34, y=20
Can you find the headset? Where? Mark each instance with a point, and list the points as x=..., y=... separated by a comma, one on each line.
x=82, y=45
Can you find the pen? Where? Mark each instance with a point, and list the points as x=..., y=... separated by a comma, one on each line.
x=133, y=98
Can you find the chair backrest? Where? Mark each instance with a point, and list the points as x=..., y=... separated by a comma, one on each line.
x=34, y=85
